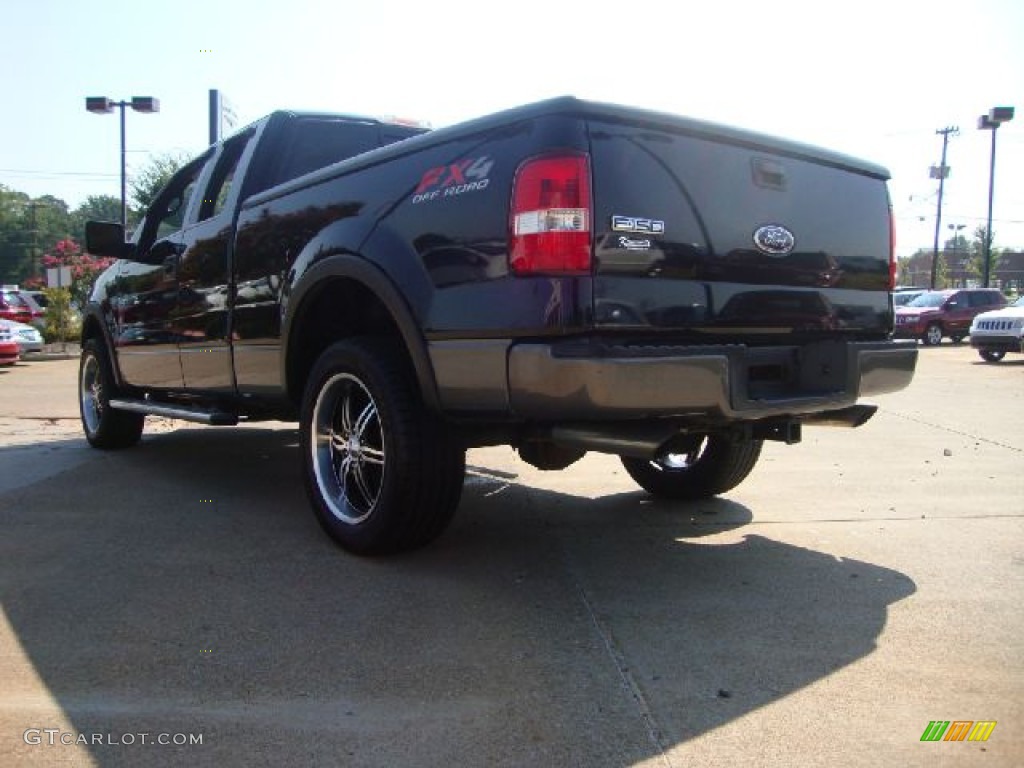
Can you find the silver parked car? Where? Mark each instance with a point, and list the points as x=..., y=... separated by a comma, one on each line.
x=28, y=337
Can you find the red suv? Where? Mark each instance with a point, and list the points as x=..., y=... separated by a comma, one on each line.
x=13, y=306
x=935, y=314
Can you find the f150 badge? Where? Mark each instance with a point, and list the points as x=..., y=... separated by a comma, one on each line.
x=774, y=239
x=638, y=226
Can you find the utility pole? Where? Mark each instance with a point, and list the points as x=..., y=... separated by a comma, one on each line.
x=940, y=173
x=33, y=206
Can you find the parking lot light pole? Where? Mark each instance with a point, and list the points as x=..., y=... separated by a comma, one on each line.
x=991, y=122
x=101, y=105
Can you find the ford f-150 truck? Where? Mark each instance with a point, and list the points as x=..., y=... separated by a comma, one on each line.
x=563, y=277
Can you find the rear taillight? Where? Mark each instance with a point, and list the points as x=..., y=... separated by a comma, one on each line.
x=550, y=216
x=892, y=250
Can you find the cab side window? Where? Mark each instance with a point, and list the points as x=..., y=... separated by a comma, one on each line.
x=167, y=214
x=222, y=182
x=315, y=143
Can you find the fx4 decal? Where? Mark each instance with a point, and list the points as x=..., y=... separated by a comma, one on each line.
x=455, y=179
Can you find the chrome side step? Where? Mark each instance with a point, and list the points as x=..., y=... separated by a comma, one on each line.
x=185, y=412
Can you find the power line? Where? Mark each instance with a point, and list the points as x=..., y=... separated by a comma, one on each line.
x=55, y=174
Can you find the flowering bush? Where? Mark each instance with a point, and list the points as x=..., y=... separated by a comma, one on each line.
x=62, y=322
x=84, y=268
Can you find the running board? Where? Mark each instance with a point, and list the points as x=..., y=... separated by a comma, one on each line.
x=185, y=412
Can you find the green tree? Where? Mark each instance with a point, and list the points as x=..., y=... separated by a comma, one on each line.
x=95, y=208
x=26, y=224
x=98, y=208
x=151, y=179
x=941, y=272
x=13, y=235
x=977, y=248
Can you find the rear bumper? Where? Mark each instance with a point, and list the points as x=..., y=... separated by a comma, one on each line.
x=722, y=382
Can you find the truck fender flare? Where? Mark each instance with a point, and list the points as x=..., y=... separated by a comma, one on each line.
x=93, y=316
x=349, y=266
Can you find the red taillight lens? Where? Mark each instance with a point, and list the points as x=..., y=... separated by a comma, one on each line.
x=550, y=217
x=892, y=250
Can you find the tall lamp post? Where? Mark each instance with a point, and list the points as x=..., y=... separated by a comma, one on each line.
x=101, y=105
x=991, y=122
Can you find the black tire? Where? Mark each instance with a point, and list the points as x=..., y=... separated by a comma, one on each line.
x=932, y=336
x=383, y=474
x=696, y=467
x=956, y=339
x=104, y=427
x=992, y=355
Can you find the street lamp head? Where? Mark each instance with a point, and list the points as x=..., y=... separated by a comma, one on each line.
x=995, y=117
x=1000, y=114
x=99, y=105
x=145, y=104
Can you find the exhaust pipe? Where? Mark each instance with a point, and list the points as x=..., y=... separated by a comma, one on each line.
x=854, y=416
x=638, y=441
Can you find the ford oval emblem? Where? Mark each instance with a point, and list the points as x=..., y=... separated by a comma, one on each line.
x=774, y=239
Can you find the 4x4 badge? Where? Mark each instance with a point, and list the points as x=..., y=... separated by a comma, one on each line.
x=774, y=239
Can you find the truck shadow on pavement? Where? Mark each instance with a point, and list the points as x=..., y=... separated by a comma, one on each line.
x=184, y=587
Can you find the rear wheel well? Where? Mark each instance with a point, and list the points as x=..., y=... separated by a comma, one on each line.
x=341, y=308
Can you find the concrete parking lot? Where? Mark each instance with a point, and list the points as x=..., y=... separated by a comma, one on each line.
x=856, y=587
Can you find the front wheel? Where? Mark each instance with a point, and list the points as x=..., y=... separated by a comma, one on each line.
x=695, y=467
x=932, y=335
x=992, y=355
x=104, y=427
x=383, y=473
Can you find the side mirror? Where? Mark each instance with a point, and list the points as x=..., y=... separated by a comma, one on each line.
x=106, y=238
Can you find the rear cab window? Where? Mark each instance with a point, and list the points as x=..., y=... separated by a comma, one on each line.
x=308, y=143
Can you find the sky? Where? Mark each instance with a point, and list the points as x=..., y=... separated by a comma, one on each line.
x=868, y=78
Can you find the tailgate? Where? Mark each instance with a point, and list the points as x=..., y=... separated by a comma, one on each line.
x=735, y=234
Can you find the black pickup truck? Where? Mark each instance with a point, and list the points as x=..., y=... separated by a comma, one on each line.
x=563, y=277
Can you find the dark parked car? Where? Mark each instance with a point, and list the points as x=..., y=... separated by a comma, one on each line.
x=935, y=314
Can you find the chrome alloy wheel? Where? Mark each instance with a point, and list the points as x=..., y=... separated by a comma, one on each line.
x=348, y=448
x=90, y=391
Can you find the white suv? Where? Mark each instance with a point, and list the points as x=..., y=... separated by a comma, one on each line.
x=995, y=333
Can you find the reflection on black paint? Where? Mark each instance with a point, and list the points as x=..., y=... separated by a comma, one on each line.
x=266, y=249
x=811, y=269
x=450, y=262
x=792, y=310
